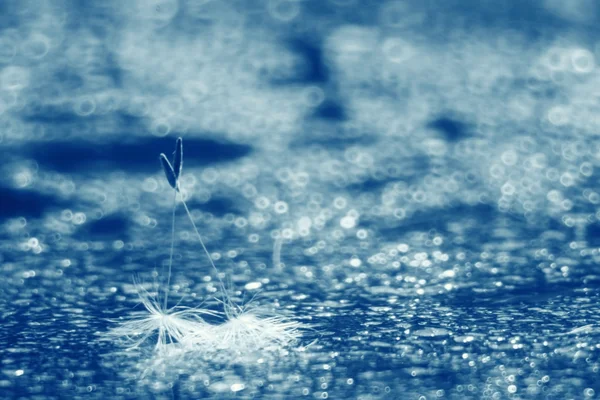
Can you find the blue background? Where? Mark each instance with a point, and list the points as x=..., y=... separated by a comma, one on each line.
x=430, y=168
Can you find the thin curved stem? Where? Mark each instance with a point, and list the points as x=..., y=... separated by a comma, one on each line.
x=226, y=300
x=172, y=250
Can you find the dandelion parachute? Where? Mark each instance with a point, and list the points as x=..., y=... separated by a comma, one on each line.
x=243, y=329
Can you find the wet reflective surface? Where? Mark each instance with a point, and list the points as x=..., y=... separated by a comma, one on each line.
x=414, y=187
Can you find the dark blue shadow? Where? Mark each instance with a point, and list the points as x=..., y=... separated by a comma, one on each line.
x=450, y=128
x=139, y=155
x=330, y=110
x=111, y=226
x=313, y=70
x=26, y=203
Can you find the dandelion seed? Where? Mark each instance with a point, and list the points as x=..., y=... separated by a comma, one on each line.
x=169, y=172
x=172, y=172
x=178, y=160
x=173, y=176
x=245, y=329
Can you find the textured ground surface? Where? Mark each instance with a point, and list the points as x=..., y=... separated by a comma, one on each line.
x=429, y=170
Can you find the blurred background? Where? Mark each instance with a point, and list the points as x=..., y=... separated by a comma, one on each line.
x=427, y=167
